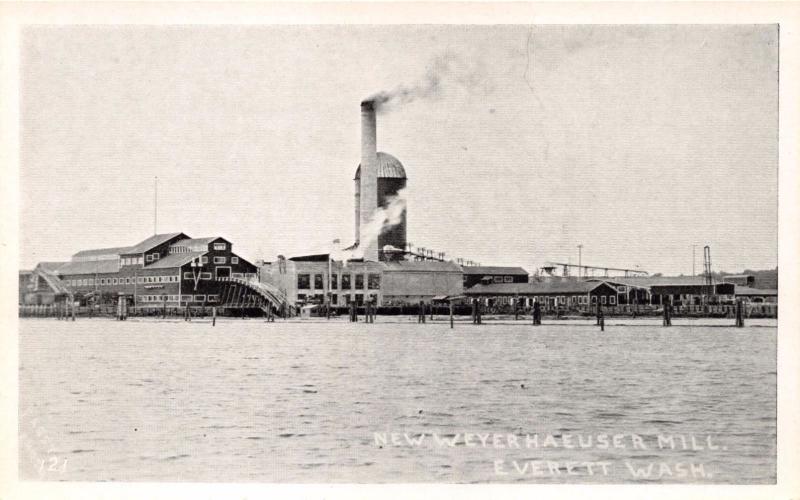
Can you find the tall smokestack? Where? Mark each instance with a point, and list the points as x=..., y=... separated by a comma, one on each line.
x=369, y=175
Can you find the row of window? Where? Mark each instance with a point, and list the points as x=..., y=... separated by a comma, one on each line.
x=584, y=300
x=204, y=275
x=152, y=257
x=359, y=298
x=130, y=280
x=174, y=298
x=373, y=281
x=495, y=279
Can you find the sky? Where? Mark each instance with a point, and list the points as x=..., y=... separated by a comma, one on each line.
x=519, y=142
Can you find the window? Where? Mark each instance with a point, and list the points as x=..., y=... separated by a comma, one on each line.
x=220, y=260
x=359, y=297
x=345, y=282
x=213, y=298
x=318, y=282
x=204, y=259
x=612, y=300
x=234, y=260
x=374, y=281
x=205, y=276
x=360, y=283
x=303, y=281
x=186, y=298
x=140, y=279
x=508, y=279
x=149, y=258
x=187, y=276
x=334, y=299
x=334, y=282
x=114, y=281
x=219, y=246
x=498, y=279
x=603, y=299
x=199, y=298
x=562, y=300
x=238, y=275
x=594, y=299
x=156, y=256
x=301, y=297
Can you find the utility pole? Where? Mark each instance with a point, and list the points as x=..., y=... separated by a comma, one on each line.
x=694, y=248
x=580, y=268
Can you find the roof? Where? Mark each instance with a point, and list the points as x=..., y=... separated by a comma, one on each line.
x=153, y=241
x=49, y=266
x=197, y=241
x=174, y=260
x=88, y=267
x=421, y=266
x=738, y=276
x=494, y=270
x=100, y=251
x=746, y=290
x=536, y=288
x=389, y=167
x=645, y=281
x=140, y=247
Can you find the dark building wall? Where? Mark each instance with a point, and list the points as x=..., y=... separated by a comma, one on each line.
x=396, y=235
x=475, y=279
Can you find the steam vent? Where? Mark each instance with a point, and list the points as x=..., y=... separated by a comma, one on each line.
x=379, y=177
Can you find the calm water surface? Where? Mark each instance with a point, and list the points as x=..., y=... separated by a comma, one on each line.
x=316, y=402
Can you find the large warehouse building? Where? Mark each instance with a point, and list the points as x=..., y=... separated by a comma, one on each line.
x=171, y=269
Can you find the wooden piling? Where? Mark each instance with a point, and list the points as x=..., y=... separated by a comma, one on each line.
x=451, y=314
x=214, y=316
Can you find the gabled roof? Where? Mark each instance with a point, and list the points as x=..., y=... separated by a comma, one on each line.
x=174, y=260
x=471, y=270
x=198, y=241
x=153, y=241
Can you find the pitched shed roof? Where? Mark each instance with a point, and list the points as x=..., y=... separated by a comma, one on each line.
x=153, y=241
x=175, y=260
x=49, y=266
x=97, y=252
x=421, y=266
x=537, y=288
x=88, y=267
x=493, y=270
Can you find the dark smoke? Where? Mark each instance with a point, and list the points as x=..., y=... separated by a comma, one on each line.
x=443, y=71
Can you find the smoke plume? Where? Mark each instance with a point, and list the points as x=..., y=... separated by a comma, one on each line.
x=383, y=219
x=443, y=71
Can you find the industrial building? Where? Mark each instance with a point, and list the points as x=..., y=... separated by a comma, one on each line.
x=171, y=269
x=380, y=266
x=549, y=294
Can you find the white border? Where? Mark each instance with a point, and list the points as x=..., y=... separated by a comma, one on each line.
x=787, y=14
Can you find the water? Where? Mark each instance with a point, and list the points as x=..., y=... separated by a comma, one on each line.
x=302, y=402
